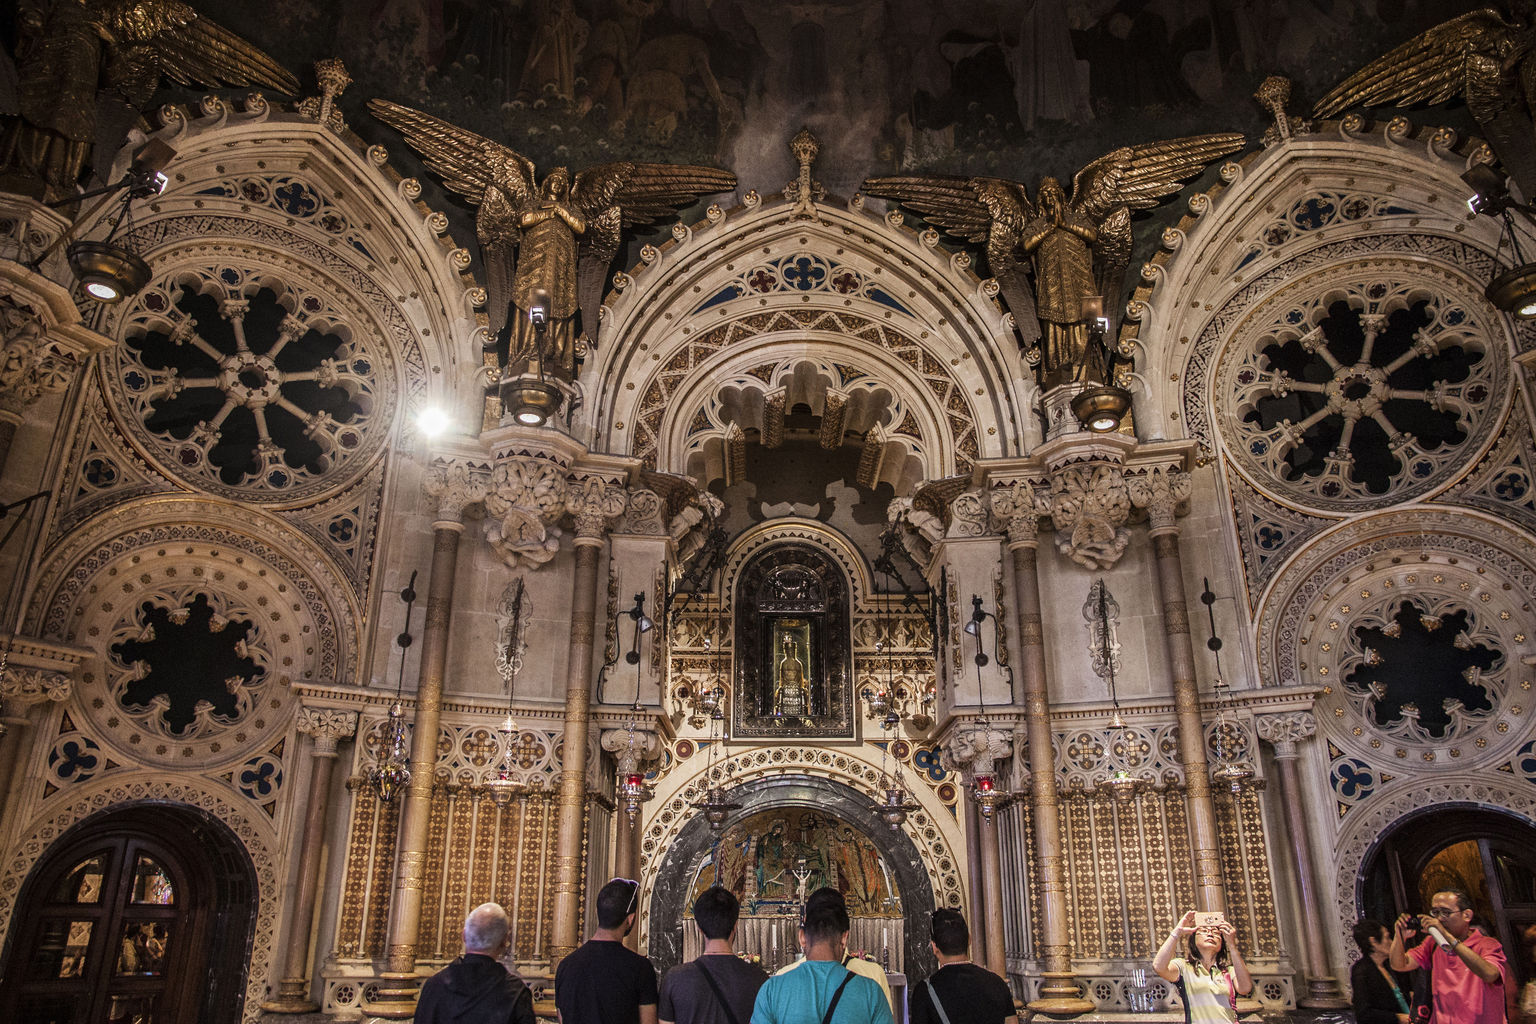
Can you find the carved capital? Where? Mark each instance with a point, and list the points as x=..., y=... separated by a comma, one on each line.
x=328, y=726
x=526, y=496
x=647, y=747
x=593, y=502
x=643, y=513
x=1285, y=731
x=1016, y=510
x=1163, y=493
x=976, y=750
x=24, y=686
x=454, y=487
x=30, y=364
x=968, y=515
x=1088, y=504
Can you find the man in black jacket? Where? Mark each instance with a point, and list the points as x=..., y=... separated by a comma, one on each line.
x=476, y=988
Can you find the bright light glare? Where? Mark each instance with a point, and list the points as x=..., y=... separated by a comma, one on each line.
x=1528, y=309
x=531, y=417
x=432, y=421
x=101, y=290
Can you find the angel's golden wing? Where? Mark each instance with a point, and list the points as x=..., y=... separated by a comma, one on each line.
x=624, y=194
x=1140, y=176
x=468, y=163
x=992, y=211
x=1430, y=68
x=154, y=38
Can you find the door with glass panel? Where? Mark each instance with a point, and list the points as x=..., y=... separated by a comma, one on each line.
x=107, y=936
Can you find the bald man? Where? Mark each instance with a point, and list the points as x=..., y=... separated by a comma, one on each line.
x=476, y=988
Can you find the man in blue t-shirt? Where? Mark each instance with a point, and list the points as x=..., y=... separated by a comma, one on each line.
x=822, y=990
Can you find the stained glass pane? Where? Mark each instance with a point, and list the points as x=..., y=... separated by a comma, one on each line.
x=151, y=884
x=83, y=882
x=61, y=948
x=142, y=951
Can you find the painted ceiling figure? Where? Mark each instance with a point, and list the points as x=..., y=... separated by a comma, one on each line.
x=1076, y=248
x=557, y=238
x=71, y=54
x=1484, y=57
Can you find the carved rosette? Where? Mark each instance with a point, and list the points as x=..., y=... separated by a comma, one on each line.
x=1284, y=732
x=329, y=726
x=1088, y=504
x=593, y=502
x=527, y=496
x=968, y=515
x=1163, y=493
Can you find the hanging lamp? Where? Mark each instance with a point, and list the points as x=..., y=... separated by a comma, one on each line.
x=391, y=770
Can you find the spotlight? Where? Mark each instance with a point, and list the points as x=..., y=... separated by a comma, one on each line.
x=1490, y=194
x=432, y=421
x=530, y=401
x=108, y=273
x=1514, y=290
x=1101, y=408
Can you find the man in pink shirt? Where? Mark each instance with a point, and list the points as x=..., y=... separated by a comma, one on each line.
x=1467, y=974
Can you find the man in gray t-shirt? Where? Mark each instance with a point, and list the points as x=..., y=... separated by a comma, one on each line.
x=719, y=987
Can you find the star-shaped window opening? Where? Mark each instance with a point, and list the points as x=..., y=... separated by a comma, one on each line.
x=1343, y=373
x=189, y=656
x=1415, y=664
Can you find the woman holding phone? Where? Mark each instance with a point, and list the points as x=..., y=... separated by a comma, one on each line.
x=1211, y=974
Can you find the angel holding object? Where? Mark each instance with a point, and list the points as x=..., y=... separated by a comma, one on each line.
x=1075, y=251
x=547, y=246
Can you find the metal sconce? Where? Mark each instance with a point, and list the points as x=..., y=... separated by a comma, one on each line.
x=1513, y=290
x=1234, y=772
x=531, y=399
x=1099, y=408
x=632, y=790
x=503, y=786
x=989, y=792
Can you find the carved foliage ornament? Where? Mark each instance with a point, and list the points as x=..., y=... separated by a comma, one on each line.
x=328, y=726
x=29, y=365
x=1089, y=504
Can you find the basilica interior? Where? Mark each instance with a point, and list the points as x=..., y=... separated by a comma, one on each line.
x=806, y=488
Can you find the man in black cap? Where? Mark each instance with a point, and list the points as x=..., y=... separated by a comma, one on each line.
x=476, y=988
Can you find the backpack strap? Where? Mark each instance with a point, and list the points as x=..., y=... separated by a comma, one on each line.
x=836, y=997
x=714, y=986
x=938, y=1007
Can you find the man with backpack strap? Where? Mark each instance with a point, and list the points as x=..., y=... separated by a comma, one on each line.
x=959, y=992
x=719, y=987
x=821, y=990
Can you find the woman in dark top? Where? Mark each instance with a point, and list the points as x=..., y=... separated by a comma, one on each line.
x=1381, y=995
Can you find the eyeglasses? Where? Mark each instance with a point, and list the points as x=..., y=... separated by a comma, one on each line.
x=634, y=893
x=1444, y=912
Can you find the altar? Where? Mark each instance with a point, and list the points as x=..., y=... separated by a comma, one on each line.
x=774, y=939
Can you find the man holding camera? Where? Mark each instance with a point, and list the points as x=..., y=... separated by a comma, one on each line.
x=1466, y=965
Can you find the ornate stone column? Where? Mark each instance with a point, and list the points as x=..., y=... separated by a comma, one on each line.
x=42, y=346
x=22, y=687
x=328, y=726
x=592, y=503
x=1284, y=732
x=1164, y=493
x=626, y=839
x=454, y=488
x=1060, y=994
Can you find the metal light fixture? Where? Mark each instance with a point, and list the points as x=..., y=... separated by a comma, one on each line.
x=632, y=790
x=108, y=272
x=1234, y=770
x=503, y=786
x=894, y=805
x=1121, y=783
x=988, y=791
x=1514, y=290
x=391, y=769
x=530, y=399
x=1099, y=408
x=715, y=806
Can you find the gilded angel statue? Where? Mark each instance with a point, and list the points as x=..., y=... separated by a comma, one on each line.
x=1484, y=57
x=556, y=237
x=72, y=54
x=1073, y=249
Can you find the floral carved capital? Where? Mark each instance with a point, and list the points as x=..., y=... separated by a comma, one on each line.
x=26, y=686
x=1088, y=504
x=329, y=726
x=454, y=487
x=1163, y=493
x=593, y=502
x=1285, y=731
x=30, y=366
x=526, y=498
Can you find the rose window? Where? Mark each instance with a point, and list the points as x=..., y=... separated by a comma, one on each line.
x=1420, y=668
x=1363, y=393
x=248, y=384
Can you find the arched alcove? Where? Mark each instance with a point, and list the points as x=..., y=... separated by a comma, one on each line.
x=668, y=897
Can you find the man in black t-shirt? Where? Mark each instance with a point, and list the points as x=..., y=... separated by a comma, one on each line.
x=602, y=982
x=687, y=995
x=959, y=992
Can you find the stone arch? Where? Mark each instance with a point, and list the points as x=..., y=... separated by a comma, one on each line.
x=205, y=798
x=932, y=831
x=756, y=289
x=323, y=198
x=1324, y=199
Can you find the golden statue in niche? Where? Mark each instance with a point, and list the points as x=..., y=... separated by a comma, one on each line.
x=791, y=683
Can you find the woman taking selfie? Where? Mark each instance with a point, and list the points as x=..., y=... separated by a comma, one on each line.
x=1211, y=974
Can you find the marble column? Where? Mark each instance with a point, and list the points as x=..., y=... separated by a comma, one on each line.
x=20, y=689
x=328, y=726
x=1162, y=493
x=977, y=911
x=396, y=998
x=1060, y=994
x=592, y=504
x=626, y=844
x=977, y=749
x=1284, y=733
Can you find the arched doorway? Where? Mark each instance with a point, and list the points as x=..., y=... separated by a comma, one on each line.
x=836, y=800
x=1486, y=852
x=139, y=914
